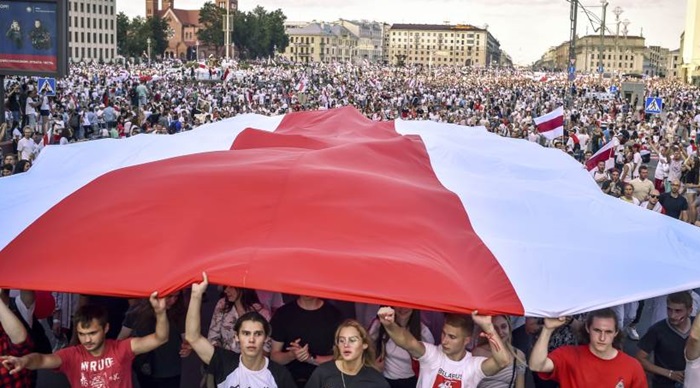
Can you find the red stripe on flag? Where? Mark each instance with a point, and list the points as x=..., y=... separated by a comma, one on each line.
x=551, y=125
x=330, y=204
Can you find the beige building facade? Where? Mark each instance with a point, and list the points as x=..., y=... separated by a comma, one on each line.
x=690, y=44
x=673, y=64
x=321, y=42
x=440, y=45
x=620, y=55
x=92, y=30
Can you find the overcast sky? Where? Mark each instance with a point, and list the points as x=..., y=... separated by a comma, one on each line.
x=525, y=28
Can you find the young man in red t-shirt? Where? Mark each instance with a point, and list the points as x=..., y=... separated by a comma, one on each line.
x=97, y=362
x=598, y=363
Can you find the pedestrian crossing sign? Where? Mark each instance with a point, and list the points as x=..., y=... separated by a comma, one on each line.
x=47, y=86
x=653, y=105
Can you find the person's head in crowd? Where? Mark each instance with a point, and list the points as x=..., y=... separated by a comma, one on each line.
x=28, y=132
x=251, y=330
x=22, y=166
x=456, y=333
x=91, y=326
x=352, y=343
x=654, y=197
x=628, y=190
x=643, y=172
x=678, y=308
x=7, y=169
x=601, y=332
x=675, y=186
x=10, y=159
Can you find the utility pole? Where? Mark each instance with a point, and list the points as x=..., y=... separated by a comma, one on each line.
x=572, y=47
x=602, y=38
x=227, y=40
x=617, y=11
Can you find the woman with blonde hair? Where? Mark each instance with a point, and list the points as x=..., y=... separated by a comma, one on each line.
x=354, y=361
x=512, y=376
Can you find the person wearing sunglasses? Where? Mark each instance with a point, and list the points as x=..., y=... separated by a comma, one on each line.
x=653, y=203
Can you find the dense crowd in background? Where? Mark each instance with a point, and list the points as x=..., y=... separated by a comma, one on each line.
x=656, y=166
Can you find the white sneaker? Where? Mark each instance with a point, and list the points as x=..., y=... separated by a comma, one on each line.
x=632, y=333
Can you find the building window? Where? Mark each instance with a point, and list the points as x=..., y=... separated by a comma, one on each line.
x=82, y=8
x=88, y=20
x=89, y=38
x=82, y=22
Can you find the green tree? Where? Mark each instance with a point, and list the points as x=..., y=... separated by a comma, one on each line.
x=136, y=37
x=211, y=19
x=259, y=32
x=123, y=25
x=157, y=30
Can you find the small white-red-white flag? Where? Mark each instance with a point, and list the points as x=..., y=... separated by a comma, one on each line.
x=605, y=154
x=301, y=86
x=551, y=125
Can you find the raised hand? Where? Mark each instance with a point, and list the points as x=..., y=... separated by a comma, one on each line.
x=157, y=303
x=198, y=289
x=386, y=315
x=554, y=323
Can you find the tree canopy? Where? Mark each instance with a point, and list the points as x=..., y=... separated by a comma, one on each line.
x=256, y=34
x=133, y=34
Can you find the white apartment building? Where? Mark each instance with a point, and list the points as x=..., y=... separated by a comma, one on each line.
x=92, y=30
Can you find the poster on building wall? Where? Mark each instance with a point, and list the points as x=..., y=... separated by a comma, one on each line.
x=33, y=38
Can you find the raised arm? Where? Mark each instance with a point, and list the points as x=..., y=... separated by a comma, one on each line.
x=401, y=337
x=500, y=355
x=193, y=329
x=145, y=344
x=692, y=347
x=12, y=325
x=539, y=360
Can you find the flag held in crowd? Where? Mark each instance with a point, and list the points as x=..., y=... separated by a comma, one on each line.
x=331, y=204
x=551, y=125
x=605, y=154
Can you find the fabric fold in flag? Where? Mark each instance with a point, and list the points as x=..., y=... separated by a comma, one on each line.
x=551, y=125
x=605, y=154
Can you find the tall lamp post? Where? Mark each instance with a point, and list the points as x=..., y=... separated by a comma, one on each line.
x=625, y=31
x=148, y=42
x=197, y=45
x=617, y=11
x=602, y=38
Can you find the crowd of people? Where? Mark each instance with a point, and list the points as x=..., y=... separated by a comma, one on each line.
x=255, y=339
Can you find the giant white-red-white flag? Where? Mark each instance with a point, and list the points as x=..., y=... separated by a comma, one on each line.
x=551, y=125
x=334, y=205
x=605, y=154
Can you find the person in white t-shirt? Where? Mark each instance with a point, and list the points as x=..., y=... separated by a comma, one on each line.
x=26, y=147
x=692, y=356
x=250, y=368
x=450, y=364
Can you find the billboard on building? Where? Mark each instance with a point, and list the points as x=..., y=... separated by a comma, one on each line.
x=34, y=37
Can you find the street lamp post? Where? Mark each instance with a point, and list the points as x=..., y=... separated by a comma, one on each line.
x=602, y=37
x=197, y=45
x=617, y=11
x=148, y=42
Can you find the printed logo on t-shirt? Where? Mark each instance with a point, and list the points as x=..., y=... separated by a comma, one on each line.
x=447, y=380
x=620, y=383
x=98, y=374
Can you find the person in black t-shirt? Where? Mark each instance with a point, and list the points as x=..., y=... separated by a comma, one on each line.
x=303, y=335
x=675, y=204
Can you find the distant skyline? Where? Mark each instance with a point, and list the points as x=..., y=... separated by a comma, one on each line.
x=525, y=28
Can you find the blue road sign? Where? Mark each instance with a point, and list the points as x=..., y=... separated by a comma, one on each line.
x=613, y=89
x=600, y=69
x=653, y=105
x=47, y=86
